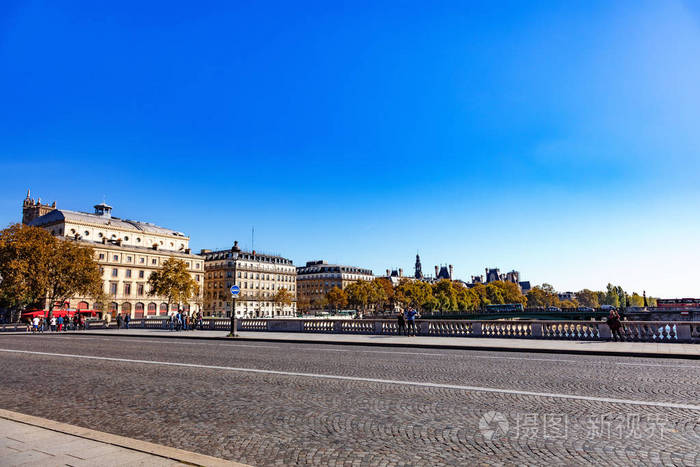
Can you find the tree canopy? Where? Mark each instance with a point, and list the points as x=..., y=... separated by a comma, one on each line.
x=173, y=281
x=38, y=267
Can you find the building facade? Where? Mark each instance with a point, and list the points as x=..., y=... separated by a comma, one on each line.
x=128, y=252
x=318, y=277
x=259, y=277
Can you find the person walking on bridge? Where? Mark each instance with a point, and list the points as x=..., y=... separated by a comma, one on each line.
x=615, y=325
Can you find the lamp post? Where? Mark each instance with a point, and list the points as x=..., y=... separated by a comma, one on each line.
x=234, y=256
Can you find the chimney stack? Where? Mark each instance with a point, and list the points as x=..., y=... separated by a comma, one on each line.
x=451, y=272
x=400, y=272
x=436, y=272
x=387, y=273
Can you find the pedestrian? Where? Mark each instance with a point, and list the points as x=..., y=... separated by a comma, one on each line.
x=35, y=324
x=53, y=324
x=615, y=325
x=60, y=323
x=200, y=321
x=127, y=318
x=411, y=321
x=170, y=322
x=178, y=321
x=401, y=323
x=119, y=321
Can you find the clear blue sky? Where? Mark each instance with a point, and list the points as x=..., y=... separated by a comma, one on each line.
x=561, y=139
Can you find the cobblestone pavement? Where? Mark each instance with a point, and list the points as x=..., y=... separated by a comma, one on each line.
x=371, y=418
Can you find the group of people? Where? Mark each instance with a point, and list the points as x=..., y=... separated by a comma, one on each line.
x=406, y=321
x=40, y=324
x=123, y=321
x=181, y=321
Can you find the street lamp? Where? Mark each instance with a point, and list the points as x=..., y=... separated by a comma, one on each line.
x=234, y=256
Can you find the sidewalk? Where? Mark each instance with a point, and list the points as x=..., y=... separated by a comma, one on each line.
x=26, y=440
x=636, y=349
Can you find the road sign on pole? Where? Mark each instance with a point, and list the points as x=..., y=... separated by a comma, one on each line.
x=235, y=290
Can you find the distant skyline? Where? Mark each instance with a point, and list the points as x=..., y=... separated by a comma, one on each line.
x=559, y=139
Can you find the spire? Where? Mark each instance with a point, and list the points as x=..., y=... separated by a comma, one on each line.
x=28, y=194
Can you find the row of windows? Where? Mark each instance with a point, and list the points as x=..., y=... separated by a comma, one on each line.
x=244, y=275
x=141, y=274
x=141, y=260
x=100, y=235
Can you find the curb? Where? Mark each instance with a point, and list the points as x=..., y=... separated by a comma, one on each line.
x=611, y=353
x=178, y=455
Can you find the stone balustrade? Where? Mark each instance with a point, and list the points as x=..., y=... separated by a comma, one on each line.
x=633, y=331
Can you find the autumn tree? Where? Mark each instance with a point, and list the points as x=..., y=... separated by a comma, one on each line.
x=337, y=298
x=542, y=296
x=414, y=294
x=363, y=294
x=173, y=281
x=587, y=298
x=386, y=297
x=36, y=267
x=282, y=298
x=72, y=271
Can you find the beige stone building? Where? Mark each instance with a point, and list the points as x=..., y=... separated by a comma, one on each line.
x=318, y=277
x=259, y=276
x=127, y=251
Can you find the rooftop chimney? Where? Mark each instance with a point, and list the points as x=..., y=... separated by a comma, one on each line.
x=451, y=272
x=436, y=272
x=400, y=272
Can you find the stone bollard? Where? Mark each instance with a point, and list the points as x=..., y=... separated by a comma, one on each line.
x=536, y=330
x=378, y=325
x=604, y=332
x=337, y=327
x=423, y=328
x=683, y=333
x=476, y=329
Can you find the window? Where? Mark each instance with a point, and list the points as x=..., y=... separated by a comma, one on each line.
x=102, y=270
x=142, y=260
x=86, y=233
x=102, y=256
x=115, y=257
x=113, y=289
x=128, y=258
x=140, y=274
x=196, y=277
x=128, y=273
x=138, y=239
x=127, y=289
x=196, y=266
x=154, y=261
x=115, y=273
x=139, y=290
x=126, y=239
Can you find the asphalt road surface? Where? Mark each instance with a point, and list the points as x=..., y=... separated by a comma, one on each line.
x=275, y=403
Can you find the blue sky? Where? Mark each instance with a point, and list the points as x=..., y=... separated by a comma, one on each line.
x=557, y=138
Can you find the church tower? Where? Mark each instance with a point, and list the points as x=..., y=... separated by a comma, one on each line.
x=32, y=209
x=419, y=269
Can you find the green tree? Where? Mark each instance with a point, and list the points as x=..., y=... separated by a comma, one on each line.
x=445, y=295
x=282, y=298
x=173, y=281
x=636, y=300
x=467, y=299
x=494, y=294
x=337, y=298
x=509, y=292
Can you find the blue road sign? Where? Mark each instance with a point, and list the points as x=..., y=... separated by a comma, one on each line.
x=235, y=290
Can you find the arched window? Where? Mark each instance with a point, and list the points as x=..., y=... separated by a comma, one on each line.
x=173, y=307
x=97, y=306
x=126, y=309
x=83, y=306
x=163, y=308
x=138, y=310
x=114, y=306
x=152, y=308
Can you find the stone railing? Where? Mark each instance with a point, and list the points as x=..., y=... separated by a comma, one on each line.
x=633, y=331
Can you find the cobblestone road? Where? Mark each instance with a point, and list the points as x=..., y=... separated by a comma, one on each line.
x=624, y=410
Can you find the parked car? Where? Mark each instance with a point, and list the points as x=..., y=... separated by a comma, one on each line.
x=607, y=307
x=553, y=308
x=585, y=308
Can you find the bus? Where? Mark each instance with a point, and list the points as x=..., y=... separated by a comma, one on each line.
x=678, y=303
x=505, y=307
